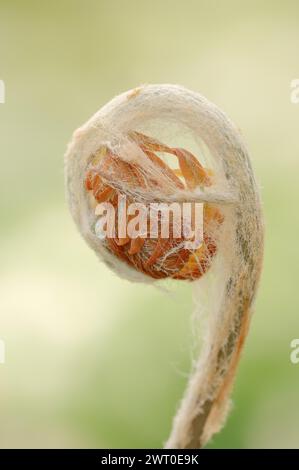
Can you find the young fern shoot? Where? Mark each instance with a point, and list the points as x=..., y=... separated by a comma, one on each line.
x=117, y=159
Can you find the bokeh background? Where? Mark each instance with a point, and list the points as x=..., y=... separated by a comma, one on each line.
x=91, y=360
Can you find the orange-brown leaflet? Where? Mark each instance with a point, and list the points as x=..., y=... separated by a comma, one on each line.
x=161, y=257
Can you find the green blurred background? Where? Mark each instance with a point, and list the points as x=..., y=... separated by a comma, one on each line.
x=91, y=360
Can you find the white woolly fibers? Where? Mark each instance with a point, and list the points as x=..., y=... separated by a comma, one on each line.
x=224, y=295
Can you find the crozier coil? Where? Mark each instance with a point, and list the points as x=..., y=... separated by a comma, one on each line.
x=225, y=272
